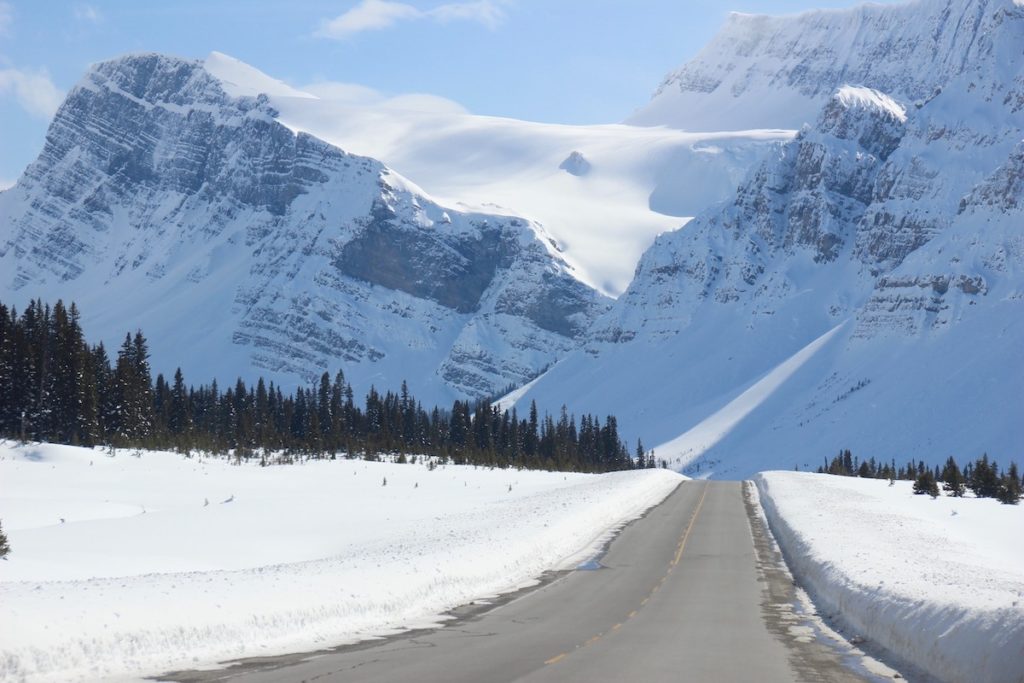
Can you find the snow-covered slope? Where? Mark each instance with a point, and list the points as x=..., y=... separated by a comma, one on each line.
x=862, y=290
x=626, y=185
x=778, y=71
x=934, y=583
x=122, y=566
x=161, y=201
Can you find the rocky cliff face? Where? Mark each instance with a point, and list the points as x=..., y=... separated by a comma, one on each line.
x=160, y=201
x=800, y=213
x=863, y=287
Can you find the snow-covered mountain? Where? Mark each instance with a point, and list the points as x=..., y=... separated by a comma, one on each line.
x=864, y=288
x=161, y=201
x=779, y=71
x=638, y=182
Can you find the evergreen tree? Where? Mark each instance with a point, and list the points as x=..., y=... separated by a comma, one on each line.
x=925, y=483
x=984, y=479
x=953, y=479
x=5, y=547
x=1009, y=486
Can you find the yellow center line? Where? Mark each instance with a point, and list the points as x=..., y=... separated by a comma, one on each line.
x=675, y=561
x=689, y=528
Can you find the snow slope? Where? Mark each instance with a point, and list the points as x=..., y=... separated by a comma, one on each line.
x=638, y=183
x=862, y=289
x=936, y=583
x=119, y=567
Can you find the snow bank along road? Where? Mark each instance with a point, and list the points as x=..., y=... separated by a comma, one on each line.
x=938, y=584
x=685, y=593
x=122, y=566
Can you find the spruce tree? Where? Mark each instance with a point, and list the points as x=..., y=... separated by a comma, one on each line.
x=1009, y=486
x=953, y=479
x=984, y=480
x=925, y=483
x=5, y=547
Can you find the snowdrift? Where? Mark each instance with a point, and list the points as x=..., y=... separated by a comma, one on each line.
x=937, y=584
x=122, y=566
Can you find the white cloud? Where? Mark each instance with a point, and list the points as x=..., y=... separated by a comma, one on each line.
x=84, y=12
x=490, y=14
x=372, y=15
x=33, y=90
x=6, y=17
x=425, y=103
x=345, y=93
x=350, y=94
x=6, y=184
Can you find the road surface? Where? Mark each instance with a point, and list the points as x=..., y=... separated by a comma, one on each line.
x=693, y=591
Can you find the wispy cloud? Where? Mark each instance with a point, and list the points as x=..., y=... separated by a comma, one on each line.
x=374, y=15
x=361, y=96
x=33, y=90
x=6, y=18
x=6, y=184
x=87, y=13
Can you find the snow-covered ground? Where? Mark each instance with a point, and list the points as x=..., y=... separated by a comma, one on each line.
x=125, y=565
x=938, y=584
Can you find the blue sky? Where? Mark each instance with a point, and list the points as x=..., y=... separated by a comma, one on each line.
x=565, y=61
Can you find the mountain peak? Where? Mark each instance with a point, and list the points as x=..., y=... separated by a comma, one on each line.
x=153, y=78
x=175, y=201
x=763, y=71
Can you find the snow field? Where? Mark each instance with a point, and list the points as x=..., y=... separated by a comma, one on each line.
x=939, y=584
x=143, y=576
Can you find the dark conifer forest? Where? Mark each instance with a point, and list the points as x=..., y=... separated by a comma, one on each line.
x=982, y=477
x=56, y=387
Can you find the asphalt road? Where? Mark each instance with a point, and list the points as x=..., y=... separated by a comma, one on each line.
x=690, y=592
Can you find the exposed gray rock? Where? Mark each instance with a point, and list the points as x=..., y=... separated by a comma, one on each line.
x=575, y=164
x=162, y=202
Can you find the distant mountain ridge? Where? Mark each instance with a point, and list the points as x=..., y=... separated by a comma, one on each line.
x=244, y=248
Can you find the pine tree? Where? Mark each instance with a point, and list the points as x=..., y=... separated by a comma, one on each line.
x=5, y=547
x=925, y=483
x=1009, y=486
x=984, y=479
x=953, y=479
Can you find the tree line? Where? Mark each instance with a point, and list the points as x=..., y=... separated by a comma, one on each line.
x=982, y=477
x=56, y=387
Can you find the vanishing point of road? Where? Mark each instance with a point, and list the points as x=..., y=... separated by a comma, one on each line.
x=692, y=591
